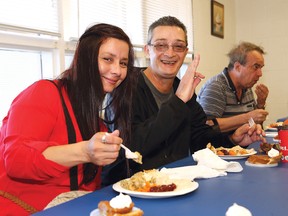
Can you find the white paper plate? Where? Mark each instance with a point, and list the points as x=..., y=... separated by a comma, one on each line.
x=261, y=165
x=237, y=157
x=188, y=188
x=96, y=212
x=271, y=128
x=276, y=140
x=271, y=134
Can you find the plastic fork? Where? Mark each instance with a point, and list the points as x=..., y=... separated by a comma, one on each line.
x=251, y=123
x=136, y=156
x=128, y=153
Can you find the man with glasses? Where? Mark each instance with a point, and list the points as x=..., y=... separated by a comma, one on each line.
x=168, y=124
x=227, y=98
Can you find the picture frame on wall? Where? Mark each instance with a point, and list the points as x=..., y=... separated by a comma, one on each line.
x=217, y=19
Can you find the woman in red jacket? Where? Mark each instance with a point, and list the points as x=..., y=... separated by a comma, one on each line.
x=53, y=139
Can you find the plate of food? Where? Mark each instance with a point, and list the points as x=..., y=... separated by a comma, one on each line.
x=270, y=156
x=237, y=157
x=271, y=134
x=268, y=128
x=154, y=184
x=263, y=160
x=276, y=139
x=247, y=163
x=274, y=126
x=266, y=147
x=234, y=153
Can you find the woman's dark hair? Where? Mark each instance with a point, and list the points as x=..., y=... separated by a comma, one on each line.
x=85, y=90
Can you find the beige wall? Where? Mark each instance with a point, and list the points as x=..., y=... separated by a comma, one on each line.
x=263, y=22
x=212, y=49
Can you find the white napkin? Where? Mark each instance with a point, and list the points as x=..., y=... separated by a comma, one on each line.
x=209, y=159
x=209, y=166
x=192, y=172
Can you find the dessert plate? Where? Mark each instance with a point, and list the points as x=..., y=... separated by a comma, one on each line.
x=273, y=126
x=261, y=165
x=181, y=189
x=271, y=134
x=237, y=157
x=268, y=128
x=96, y=212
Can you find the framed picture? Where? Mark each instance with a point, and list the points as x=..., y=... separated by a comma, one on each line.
x=217, y=19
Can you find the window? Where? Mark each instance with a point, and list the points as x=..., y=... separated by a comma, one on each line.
x=37, y=38
x=30, y=16
x=134, y=17
x=14, y=77
x=26, y=45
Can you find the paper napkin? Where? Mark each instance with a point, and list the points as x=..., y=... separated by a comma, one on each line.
x=209, y=159
x=192, y=172
x=209, y=165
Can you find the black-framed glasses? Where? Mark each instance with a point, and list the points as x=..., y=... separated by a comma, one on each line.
x=163, y=47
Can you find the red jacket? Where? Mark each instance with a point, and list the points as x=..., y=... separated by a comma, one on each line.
x=34, y=122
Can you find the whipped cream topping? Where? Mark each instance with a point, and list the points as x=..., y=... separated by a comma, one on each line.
x=120, y=201
x=273, y=153
x=237, y=210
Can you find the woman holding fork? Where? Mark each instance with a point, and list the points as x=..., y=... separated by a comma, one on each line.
x=53, y=139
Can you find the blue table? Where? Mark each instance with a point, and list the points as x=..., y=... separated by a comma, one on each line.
x=264, y=191
x=282, y=119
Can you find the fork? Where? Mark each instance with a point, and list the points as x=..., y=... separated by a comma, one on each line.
x=251, y=123
x=128, y=153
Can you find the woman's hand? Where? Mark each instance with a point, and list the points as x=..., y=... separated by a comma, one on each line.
x=103, y=148
x=97, y=150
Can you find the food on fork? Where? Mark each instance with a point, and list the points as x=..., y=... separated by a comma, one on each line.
x=135, y=156
x=139, y=158
x=120, y=205
x=149, y=181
